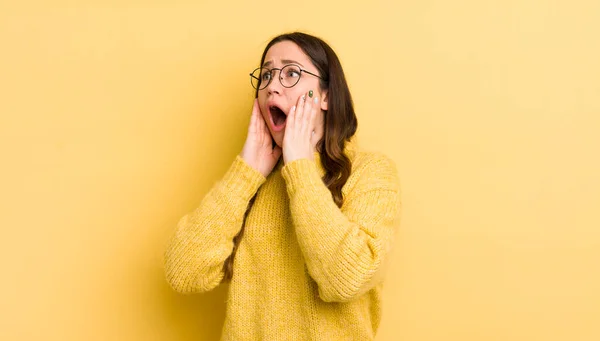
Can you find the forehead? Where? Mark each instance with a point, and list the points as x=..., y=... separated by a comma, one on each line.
x=286, y=50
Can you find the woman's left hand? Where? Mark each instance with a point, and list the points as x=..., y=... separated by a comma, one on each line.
x=297, y=140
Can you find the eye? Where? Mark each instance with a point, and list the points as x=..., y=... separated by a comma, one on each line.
x=266, y=75
x=292, y=72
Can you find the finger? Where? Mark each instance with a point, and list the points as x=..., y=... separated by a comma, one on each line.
x=253, y=117
x=292, y=116
x=300, y=111
x=308, y=106
x=261, y=125
x=312, y=124
x=289, y=123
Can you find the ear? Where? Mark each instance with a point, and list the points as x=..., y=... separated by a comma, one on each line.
x=324, y=98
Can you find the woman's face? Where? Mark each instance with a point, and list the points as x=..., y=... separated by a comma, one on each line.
x=275, y=99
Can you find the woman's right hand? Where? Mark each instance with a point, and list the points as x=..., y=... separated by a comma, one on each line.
x=258, y=150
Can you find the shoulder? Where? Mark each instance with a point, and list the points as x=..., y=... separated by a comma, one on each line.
x=372, y=160
x=372, y=170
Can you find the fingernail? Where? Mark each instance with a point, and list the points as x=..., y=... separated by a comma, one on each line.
x=293, y=108
x=303, y=97
x=316, y=100
x=310, y=93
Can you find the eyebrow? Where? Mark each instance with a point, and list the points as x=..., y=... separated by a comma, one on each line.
x=284, y=61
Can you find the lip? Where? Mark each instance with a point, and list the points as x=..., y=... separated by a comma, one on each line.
x=273, y=127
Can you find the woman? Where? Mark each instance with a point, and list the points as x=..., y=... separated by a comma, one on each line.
x=301, y=224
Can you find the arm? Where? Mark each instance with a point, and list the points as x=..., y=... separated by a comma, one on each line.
x=203, y=239
x=344, y=249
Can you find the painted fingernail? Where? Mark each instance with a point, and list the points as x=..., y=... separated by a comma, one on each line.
x=303, y=97
x=310, y=93
x=316, y=100
x=293, y=108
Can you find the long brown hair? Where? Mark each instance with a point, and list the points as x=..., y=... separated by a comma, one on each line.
x=340, y=119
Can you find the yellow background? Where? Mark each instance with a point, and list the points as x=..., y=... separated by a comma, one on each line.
x=117, y=116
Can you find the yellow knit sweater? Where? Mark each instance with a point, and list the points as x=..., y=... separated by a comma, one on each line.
x=304, y=269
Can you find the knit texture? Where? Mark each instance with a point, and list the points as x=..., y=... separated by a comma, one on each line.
x=304, y=268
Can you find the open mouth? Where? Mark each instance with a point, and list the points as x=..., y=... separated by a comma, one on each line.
x=278, y=116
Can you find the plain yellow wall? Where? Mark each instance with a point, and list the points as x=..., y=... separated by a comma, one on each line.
x=117, y=116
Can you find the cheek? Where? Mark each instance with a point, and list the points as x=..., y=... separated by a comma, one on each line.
x=264, y=114
x=303, y=90
x=261, y=99
x=262, y=105
x=295, y=96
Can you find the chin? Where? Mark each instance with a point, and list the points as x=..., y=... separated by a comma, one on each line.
x=279, y=143
x=278, y=139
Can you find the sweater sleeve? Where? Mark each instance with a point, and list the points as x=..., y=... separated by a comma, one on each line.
x=345, y=249
x=203, y=240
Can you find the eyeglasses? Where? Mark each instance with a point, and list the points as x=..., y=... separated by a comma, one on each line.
x=289, y=76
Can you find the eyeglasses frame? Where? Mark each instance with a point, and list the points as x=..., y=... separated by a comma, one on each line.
x=279, y=69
